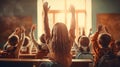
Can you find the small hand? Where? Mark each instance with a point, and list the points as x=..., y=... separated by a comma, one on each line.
x=45, y=7
x=72, y=9
x=90, y=29
x=99, y=28
x=83, y=32
x=22, y=29
x=17, y=30
x=106, y=29
x=33, y=27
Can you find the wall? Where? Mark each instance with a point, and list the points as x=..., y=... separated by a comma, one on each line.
x=103, y=6
x=18, y=8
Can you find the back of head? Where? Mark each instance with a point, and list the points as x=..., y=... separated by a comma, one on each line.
x=42, y=38
x=84, y=41
x=117, y=42
x=26, y=41
x=13, y=40
x=60, y=44
x=60, y=39
x=104, y=40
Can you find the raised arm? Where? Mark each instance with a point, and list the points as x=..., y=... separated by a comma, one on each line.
x=17, y=51
x=33, y=37
x=90, y=32
x=95, y=38
x=112, y=43
x=16, y=32
x=46, y=24
x=72, y=26
x=83, y=32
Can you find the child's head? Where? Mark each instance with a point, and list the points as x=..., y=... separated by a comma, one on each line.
x=60, y=39
x=104, y=40
x=117, y=43
x=13, y=40
x=26, y=41
x=42, y=38
x=83, y=41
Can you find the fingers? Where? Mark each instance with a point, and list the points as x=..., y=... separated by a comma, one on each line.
x=45, y=7
x=106, y=29
x=45, y=3
x=90, y=29
x=17, y=30
x=72, y=9
x=99, y=28
x=22, y=29
x=33, y=27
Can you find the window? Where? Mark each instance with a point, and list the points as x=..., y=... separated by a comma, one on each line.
x=59, y=12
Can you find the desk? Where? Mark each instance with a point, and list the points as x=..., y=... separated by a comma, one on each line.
x=30, y=56
x=5, y=62
x=82, y=63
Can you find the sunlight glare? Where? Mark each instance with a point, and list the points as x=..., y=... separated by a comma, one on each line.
x=39, y=19
x=60, y=17
x=84, y=19
x=56, y=4
x=81, y=20
x=81, y=4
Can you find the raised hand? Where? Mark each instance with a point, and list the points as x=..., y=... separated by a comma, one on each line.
x=22, y=29
x=17, y=30
x=106, y=29
x=90, y=29
x=72, y=9
x=45, y=7
x=73, y=23
x=83, y=31
x=33, y=27
x=99, y=28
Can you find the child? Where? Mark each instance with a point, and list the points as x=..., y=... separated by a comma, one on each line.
x=117, y=43
x=13, y=45
x=26, y=47
x=84, y=50
x=42, y=48
x=101, y=44
x=60, y=41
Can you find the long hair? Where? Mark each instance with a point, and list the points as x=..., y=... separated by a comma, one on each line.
x=60, y=42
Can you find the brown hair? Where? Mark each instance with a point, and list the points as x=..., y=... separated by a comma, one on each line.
x=104, y=40
x=13, y=40
x=42, y=38
x=84, y=41
x=26, y=41
x=60, y=43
